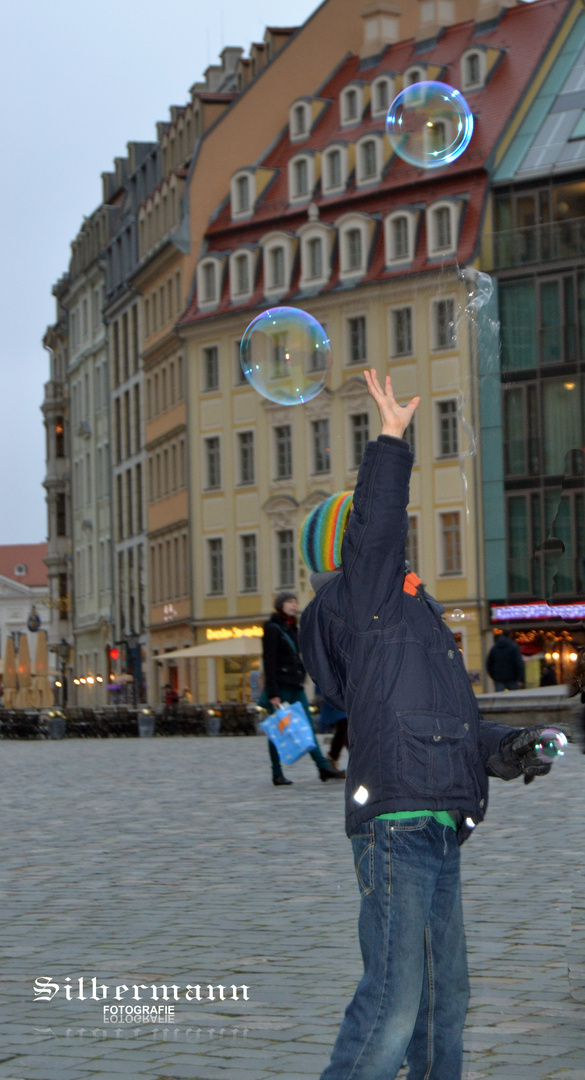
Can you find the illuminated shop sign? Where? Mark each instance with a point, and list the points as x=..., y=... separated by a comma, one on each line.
x=226, y=632
x=511, y=612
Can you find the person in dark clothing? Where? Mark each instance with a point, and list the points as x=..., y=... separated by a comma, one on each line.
x=335, y=720
x=284, y=679
x=548, y=675
x=505, y=664
x=417, y=779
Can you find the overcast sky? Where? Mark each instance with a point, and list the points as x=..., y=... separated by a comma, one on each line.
x=78, y=80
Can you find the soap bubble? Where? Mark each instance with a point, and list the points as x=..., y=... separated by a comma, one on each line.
x=551, y=744
x=429, y=124
x=286, y=355
x=457, y=614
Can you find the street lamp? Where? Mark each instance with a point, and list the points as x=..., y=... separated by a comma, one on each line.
x=63, y=649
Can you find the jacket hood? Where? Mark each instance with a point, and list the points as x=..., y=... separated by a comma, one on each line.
x=320, y=578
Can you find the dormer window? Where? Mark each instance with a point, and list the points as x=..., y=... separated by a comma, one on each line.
x=442, y=228
x=354, y=237
x=413, y=75
x=20, y=570
x=399, y=229
x=208, y=282
x=242, y=194
x=300, y=120
x=209, y=290
x=369, y=159
x=382, y=95
x=351, y=105
x=315, y=255
x=473, y=69
x=276, y=260
x=300, y=178
x=334, y=169
x=241, y=275
x=353, y=250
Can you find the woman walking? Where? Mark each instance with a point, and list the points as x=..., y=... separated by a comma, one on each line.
x=284, y=679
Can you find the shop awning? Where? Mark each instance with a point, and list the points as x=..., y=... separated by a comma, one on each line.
x=242, y=646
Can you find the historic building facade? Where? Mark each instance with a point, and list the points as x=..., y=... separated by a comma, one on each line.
x=535, y=250
x=329, y=220
x=126, y=187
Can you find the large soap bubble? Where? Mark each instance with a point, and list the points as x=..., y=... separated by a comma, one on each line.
x=286, y=355
x=429, y=124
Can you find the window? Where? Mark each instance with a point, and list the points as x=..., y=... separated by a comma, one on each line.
x=249, y=563
x=59, y=437
x=353, y=249
x=357, y=339
x=412, y=544
x=276, y=258
x=410, y=435
x=333, y=177
x=360, y=433
x=350, y=105
x=321, y=448
x=299, y=120
x=368, y=160
x=315, y=258
x=208, y=282
x=450, y=524
x=447, y=427
x=398, y=238
x=240, y=378
x=441, y=229
x=401, y=331
x=215, y=566
x=285, y=558
x=444, y=324
x=382, y=93
x=212, y=463
x=414, y=75
x=472, y=70
x=300, y=177
x=283, y=452
x=211, y=368
x=242, y=275
x=242, y=194
x=246, y=456
x=61, y=517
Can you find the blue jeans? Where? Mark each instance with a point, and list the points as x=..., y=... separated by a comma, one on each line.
x=412, y=999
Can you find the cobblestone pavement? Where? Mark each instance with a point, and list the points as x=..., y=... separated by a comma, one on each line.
x=175, y=861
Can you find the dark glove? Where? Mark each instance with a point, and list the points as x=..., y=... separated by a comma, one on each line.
x=516, y=756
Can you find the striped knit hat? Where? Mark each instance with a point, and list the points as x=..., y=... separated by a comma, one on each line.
x=322, y=532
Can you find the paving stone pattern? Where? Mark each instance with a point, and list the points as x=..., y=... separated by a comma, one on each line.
x=177, y=862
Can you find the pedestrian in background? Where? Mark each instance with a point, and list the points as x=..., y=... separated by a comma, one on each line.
x=505, y=664
x=284, y=679
x=333, y=720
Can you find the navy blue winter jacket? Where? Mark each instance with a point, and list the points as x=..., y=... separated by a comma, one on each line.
x=416, y=738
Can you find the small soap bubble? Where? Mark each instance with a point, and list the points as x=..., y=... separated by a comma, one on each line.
x=551, y=744
x=457, y=614
x=429, y=124
x=286, y=355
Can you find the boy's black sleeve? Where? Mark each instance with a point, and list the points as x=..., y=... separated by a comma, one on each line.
x=374, y=545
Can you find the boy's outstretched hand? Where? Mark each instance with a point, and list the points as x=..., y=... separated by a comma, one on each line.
x=395, y=418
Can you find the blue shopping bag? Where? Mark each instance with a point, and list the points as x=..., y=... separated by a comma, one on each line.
x=290, y=731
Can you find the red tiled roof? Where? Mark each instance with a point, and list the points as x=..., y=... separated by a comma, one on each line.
x=522, y=35
x=29, y=555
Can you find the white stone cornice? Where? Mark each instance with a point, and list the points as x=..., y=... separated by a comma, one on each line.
x=319, y=407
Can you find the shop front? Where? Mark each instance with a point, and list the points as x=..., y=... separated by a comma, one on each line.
x=229, y=663
x=551, y=638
